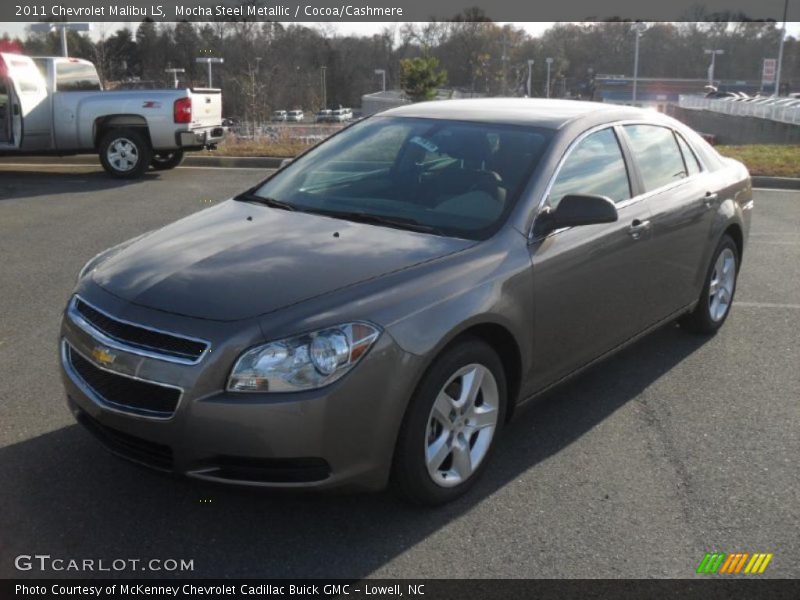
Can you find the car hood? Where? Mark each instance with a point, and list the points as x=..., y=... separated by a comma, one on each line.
x=240, y=260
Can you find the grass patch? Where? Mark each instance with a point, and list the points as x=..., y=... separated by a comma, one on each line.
x=770, y=160
x=279, y=148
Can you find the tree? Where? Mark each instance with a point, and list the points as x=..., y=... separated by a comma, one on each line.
x=420, y=77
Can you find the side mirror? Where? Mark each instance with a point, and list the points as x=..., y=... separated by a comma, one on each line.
x=574, y=210
x=285, y=162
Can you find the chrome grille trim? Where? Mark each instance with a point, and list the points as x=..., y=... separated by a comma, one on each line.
x=66, y=362
x=118, y=344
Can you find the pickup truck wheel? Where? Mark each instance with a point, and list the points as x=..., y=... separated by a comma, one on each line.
x=125, y=153
x=163, y=161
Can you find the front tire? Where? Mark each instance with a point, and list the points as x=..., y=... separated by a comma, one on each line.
x=163, y=161
x=125, y=153
x=716, y=299
x=451, y=424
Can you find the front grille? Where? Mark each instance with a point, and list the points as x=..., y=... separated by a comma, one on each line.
x=128, y=446
x=140, y=337
x=124, y=393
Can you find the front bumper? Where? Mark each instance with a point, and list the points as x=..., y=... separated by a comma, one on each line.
x=342, y=435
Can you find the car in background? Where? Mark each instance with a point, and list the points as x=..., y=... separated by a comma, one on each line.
x=378, y=308
x=295, y=116
x=341, y=115
x=278, y=116
x=323, y=116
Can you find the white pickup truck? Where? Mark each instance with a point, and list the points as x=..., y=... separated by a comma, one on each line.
x=57, y=106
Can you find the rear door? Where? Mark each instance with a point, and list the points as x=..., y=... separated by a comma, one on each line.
x=681, y=203
x=28, y=103
x=590, y=281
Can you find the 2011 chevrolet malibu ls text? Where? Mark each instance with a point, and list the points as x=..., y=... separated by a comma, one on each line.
x=378, y=308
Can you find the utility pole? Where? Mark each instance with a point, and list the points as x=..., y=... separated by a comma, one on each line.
x=210, y=60
x=638, y=29
x=713, y=54
x=549, y=62
x=504, y=60
x=530, y=72
x=382, y=73
x=780, y=50
x=62, y=27
x=175, y=75
x=324, y=88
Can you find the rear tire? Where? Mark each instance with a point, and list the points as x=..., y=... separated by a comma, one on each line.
x=716, y=299
x=163, y=161
x=448, y=434
x=125, y=153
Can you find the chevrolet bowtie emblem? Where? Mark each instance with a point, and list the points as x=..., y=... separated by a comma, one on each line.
x=103, y=356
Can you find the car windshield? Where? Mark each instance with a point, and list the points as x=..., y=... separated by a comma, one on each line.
x=445, y=177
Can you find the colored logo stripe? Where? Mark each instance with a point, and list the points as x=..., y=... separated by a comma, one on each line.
x=722, y=563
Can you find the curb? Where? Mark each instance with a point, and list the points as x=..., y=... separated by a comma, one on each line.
x=781, y=183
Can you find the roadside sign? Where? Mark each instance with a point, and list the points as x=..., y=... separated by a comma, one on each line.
x=768, y=71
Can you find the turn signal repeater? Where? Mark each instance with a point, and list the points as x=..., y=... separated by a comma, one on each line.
x=307, y=361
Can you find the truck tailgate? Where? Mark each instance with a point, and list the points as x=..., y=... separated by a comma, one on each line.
x=206, y=108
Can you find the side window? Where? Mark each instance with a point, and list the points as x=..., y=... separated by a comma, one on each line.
x=689, y=157
x=595, y=166
x=657, y=154
x=76, y=77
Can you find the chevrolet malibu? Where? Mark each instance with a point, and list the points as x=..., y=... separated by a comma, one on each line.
x=376, y=310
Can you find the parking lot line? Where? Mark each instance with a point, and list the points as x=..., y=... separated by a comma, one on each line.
x=765, y=305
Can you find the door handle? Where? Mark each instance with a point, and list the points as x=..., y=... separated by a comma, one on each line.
x=710, y=198
x=638, y=227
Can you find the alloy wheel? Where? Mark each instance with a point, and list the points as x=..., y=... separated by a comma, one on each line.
x=720, y=289
x=122, y=154
x=461, y=425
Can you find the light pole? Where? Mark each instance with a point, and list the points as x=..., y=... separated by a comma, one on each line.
x=324, y=84
x=713, y=54
x=382, y=73
x=175, y=75
x=210, y=60
x=62, y=27
x=549, y=62
x=530, y=71
x=638, y=29
x=780, y=50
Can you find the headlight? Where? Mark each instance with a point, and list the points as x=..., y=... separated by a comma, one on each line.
x=305, y=362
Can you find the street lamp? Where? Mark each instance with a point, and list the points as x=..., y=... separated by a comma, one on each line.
x=780, y=50
x=713, y=54
x=324, y=84
x=382, y=73
x=638, y=29
x=62, y=27
x=530, y=70
x=549, y=62
x=175, y=75
x=210, y=60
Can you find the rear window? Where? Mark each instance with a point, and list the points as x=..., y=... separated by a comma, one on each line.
x=76, y=77
x=692, y=164
x=657, y=154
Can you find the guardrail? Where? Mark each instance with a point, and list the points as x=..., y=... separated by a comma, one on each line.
x=783, y=110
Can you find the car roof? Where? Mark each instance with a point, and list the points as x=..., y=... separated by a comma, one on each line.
x=536, y=112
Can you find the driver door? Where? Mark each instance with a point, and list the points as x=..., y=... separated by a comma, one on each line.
x=589, y=281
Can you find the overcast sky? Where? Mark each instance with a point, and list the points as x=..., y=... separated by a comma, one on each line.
x=346, y=28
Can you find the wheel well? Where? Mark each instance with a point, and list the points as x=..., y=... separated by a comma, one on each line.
x=735, y=232
x=503, y=342
x=103, y=124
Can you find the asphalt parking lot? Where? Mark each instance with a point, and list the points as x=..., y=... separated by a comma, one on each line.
x=678, y=446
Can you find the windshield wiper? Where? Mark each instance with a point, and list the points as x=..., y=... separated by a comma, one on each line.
x=396, y=222
x=266, y=201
